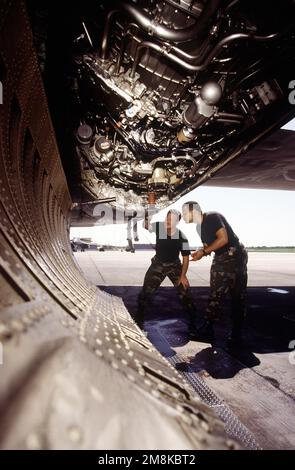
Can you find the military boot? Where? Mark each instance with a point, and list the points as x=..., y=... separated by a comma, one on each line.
x=205, y=332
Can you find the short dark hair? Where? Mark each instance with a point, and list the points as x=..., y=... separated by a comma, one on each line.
x=174, y=212
x=192, y=205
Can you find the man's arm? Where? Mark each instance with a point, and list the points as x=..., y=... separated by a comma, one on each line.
x=182, y=278
x=147, y=224
x=220, y=241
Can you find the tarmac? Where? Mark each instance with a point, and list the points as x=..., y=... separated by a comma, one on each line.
x=121, y=268
x=252, y=387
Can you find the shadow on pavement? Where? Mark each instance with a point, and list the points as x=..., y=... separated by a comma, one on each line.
x=269, y=327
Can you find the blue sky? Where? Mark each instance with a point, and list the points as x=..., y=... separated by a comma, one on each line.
x=259, y=217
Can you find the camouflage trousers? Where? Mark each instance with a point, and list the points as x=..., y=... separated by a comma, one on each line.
x=228, y=275
x=154, y=277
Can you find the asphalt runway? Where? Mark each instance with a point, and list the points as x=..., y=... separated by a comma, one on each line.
x=252, y=388
x=120, y=268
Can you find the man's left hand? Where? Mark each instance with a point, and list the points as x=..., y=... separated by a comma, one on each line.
x=183, y=281
x=197, y=255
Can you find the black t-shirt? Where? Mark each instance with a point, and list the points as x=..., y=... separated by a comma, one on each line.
x=212, y=222
x=168, y=247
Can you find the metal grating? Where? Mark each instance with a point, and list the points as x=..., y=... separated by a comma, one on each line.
x=233, y=426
